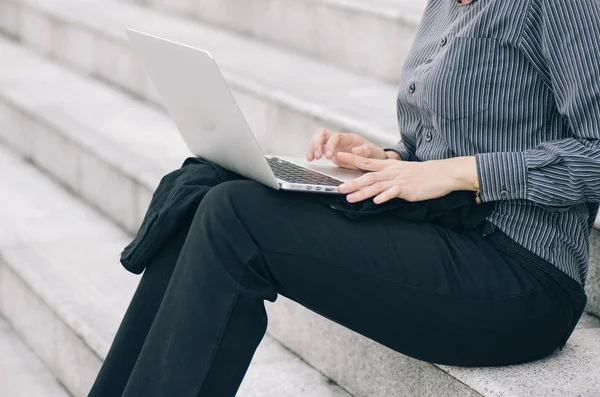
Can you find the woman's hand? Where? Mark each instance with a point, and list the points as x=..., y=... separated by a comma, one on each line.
x=330, y=143
x=409, y=180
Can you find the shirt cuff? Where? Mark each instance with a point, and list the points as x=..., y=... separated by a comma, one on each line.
x=400, y=148
x=502, y=176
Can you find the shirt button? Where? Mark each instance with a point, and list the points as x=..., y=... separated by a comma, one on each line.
x=428, y=136
x=443, y=41
x=411, y=88
x=504, y=193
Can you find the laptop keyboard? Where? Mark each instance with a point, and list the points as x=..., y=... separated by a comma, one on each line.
x=293, y=173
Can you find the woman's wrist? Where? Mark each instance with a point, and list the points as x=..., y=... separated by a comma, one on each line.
x=463, y=172
x=390, y=154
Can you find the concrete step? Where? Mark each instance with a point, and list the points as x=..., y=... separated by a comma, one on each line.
x=366, y=368
x=592, y=288
x=281, y=92
x=22, y=374
x=367, y=36
x=110, y=150
x=89, y=136
x=64, y=292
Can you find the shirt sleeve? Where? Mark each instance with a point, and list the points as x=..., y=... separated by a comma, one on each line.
x=566, y=171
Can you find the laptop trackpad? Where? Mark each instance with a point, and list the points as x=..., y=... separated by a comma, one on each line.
x=325, y=166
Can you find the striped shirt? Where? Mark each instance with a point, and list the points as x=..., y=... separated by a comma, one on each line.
x=517, y=85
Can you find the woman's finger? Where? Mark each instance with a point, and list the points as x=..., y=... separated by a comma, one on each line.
x=319, y=146
x=331, y=144
x=341, y=164
x=364, y=180
x=370, y=191
x=316, y=144
x=391, y=193
x=363, y=150
x=362, y=162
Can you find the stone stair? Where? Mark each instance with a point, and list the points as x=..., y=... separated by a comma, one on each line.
x=98, y=129
x=22, y=374
x=63, y=291
x=277, y=89
x=370, y=37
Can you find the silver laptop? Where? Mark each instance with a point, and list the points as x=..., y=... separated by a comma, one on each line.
x=212, y=125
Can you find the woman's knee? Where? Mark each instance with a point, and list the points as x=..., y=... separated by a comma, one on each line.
x=221, y=225
x=230, y=198
x=233, y=192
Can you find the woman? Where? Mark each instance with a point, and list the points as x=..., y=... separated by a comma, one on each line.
x=498, y=98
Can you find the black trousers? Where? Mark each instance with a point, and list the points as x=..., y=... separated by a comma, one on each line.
x=420, y=289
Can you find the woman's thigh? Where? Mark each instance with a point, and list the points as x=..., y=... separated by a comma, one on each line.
x=425, y=291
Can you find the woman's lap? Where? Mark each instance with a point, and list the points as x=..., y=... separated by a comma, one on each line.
x=420, y=289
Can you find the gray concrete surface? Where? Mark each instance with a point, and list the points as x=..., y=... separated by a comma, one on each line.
x=280, y=91
x=22, y=374
x=571, y=372
x=64, y=291
x=371, y=37
x=592, y=287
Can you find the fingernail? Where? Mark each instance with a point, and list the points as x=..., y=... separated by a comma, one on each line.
x=329, y=153
x=316, y=153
